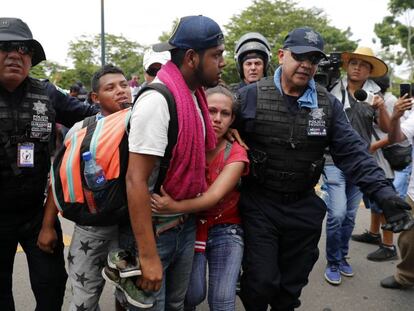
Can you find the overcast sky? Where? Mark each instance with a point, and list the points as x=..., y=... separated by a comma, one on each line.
x=56, y=22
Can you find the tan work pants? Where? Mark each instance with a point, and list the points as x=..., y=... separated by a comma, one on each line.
x=405, y=269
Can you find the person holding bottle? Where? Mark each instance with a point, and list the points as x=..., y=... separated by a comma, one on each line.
x=90, y=244
x=219, y=238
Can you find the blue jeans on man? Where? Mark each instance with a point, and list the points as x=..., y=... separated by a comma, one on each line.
x=401, y=180
x=223, y=254
x=176, y=249
x=342, y=199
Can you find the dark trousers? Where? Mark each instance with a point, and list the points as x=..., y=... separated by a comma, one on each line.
x=46, y=271
x=281, y=248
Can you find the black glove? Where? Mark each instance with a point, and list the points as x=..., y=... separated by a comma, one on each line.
x=397, y=213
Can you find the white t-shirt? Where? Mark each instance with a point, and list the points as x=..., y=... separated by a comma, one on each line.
x=389, y=100
x=149, y=126
x=407, y=127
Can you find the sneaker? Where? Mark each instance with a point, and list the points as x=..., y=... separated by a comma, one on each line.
x=133, y=294
x=367, y=237
x=332, y=274
x=123, y=261
x=383, y=253
x=391, y=282
x=345, y=268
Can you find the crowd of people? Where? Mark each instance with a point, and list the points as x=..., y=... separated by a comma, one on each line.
x=220, y=180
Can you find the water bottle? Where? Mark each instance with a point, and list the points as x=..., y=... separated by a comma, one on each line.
x=95, y=180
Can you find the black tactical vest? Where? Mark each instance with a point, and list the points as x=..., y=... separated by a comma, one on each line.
x=31, y=120
x=287, y=149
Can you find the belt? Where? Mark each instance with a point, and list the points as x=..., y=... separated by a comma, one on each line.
x=162, y=224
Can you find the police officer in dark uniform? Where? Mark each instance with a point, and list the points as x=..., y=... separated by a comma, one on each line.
x=29, y=109
x=288, y=121
x=252, y=55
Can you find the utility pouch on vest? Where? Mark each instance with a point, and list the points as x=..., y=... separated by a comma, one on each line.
x=258, y=161
x=315, y=171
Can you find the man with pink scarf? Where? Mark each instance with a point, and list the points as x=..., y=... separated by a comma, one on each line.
x=165, y=245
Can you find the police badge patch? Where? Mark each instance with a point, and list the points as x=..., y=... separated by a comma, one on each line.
x=39, y=107
x=312, y=37
x=316, y=123
x=40, y=125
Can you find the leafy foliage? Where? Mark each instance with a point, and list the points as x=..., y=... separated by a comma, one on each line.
x=85, y=52
x=275, y=19
x=396, y=34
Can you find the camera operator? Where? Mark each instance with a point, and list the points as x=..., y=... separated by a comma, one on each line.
x=342, y=197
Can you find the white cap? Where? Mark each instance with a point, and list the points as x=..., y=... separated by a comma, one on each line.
x=152, y=57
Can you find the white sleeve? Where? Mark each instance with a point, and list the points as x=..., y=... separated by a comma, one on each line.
x=76, y=127
x=407, y=127
x=149, y=124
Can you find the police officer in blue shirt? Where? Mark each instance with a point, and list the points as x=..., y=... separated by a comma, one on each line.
x=288, y=121
x=29, y=109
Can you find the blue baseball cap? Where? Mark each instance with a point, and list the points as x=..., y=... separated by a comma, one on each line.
x=196, y=32
x=304, y=40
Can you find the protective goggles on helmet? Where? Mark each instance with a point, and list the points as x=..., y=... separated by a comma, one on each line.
x=313, y=58
x=23, y=48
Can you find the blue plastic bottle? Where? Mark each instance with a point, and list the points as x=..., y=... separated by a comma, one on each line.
x=95, y=180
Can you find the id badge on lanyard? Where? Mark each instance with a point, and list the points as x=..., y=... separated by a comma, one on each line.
x=25, y=154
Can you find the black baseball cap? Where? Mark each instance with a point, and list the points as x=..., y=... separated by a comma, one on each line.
x=14, y=29
x=196, y=32
x=304, y=40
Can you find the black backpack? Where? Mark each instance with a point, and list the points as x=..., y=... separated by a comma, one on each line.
x=107, y=139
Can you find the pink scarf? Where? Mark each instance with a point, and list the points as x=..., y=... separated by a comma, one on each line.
x=186, y=175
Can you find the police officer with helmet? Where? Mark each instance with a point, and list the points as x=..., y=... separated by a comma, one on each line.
x=252, y=55
x=288, y=121
x=29, y=109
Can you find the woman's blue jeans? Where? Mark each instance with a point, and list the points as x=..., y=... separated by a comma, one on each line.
x=224, y=252
x=342, y=199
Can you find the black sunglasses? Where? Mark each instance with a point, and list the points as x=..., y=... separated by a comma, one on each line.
x=314, y=58
x=23, y=48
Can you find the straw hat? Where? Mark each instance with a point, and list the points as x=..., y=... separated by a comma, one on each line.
x=379, y=68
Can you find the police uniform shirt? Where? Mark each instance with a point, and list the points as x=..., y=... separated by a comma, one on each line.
x=22, y=190
x=347, y=148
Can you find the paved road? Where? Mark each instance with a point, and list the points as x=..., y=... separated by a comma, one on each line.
x=362, y=292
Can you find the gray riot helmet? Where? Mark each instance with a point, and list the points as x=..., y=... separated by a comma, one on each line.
x=252, y=42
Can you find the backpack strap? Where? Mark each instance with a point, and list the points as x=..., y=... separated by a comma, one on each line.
x=172, y=129
x=88, y=121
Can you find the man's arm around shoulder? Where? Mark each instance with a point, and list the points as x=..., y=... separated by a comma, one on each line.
x=69, y=110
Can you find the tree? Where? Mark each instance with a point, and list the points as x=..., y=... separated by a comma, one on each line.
x=396, y=33
x=274, y=19
x=85, y=54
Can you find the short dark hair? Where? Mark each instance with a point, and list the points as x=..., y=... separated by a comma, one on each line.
x=74, y=88
x=109, y=68
x=177, y=55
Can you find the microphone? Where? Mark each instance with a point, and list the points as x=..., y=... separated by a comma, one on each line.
x=364, y=96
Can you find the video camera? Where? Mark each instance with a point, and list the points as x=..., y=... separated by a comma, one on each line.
x=329, y=71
